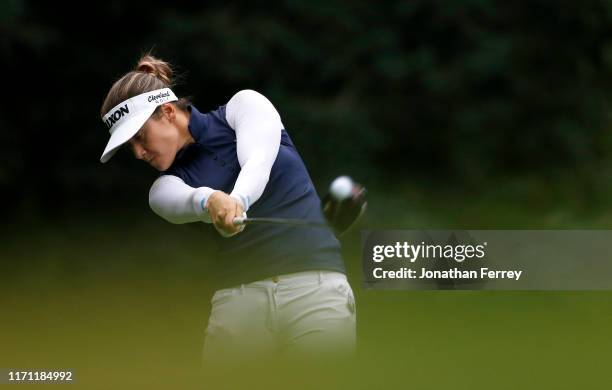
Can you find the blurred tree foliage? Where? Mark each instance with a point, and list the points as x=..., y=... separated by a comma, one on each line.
x=463, y=91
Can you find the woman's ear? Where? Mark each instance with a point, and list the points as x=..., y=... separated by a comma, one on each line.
x=169, y=111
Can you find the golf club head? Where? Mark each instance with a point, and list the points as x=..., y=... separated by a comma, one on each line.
x=343, y=214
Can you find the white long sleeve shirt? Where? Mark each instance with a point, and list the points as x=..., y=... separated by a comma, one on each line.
x=258, y=131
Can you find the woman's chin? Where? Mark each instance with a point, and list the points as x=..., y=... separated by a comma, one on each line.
x=160, y=166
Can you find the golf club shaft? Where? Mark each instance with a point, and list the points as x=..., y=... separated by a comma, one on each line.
x=279, y=221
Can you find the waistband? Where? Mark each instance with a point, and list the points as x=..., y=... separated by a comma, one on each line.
x=304, y=276
x=296, y=278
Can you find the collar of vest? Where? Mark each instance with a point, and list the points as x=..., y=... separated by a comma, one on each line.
x=197, y=123
x=197, y=127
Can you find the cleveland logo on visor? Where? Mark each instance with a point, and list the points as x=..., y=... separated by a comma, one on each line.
x=115, y=116
x=156, y=98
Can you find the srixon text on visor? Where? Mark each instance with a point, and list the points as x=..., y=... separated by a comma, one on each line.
x=118, y=114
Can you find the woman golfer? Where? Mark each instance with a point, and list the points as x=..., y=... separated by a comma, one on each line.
x=283, y=289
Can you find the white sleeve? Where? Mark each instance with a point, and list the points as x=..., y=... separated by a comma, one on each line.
x=258, y=131
x=176, y=202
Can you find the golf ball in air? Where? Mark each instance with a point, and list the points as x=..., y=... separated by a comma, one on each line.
x=341, y=188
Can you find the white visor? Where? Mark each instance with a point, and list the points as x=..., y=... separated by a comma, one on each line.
x=125, y=119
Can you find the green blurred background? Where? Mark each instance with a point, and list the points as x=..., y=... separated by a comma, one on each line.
x=472, y=114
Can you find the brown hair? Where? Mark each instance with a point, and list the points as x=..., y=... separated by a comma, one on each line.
x=150, y=73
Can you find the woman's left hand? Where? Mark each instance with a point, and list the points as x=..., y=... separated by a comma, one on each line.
x=222, y=210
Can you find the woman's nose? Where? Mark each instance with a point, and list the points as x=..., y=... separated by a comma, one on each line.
x=139, y=151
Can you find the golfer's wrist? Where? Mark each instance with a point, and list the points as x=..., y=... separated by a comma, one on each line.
x=200, y=199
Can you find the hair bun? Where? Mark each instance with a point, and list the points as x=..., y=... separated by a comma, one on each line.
x=156, y=67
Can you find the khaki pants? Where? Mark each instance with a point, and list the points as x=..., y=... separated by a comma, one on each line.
x=308, y=313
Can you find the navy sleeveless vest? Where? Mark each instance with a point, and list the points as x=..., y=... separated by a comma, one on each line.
x=259, y=251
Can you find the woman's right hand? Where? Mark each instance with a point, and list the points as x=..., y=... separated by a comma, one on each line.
x=222, y=210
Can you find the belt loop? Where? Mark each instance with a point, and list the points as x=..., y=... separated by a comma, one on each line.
x=320, y=277
x=242, y=289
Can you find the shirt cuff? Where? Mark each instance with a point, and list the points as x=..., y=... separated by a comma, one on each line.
x=242, y=199
x=199, y=199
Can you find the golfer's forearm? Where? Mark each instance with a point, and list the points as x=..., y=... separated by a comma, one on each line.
x=176, y=202
x=252, y=180
x=258, y=132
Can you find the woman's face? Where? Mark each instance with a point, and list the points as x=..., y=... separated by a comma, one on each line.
x=157, y=142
